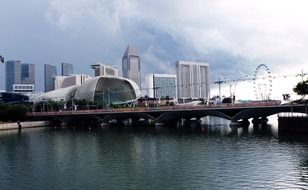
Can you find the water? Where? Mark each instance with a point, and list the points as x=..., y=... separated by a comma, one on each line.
x=124, y=158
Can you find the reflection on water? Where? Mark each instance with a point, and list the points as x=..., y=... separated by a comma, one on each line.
x=153, y=158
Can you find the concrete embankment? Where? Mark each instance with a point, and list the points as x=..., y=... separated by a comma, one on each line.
x=23, y=125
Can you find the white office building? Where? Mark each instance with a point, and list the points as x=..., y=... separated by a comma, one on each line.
x=72, y=80
x=104, y=70
x=192, y=79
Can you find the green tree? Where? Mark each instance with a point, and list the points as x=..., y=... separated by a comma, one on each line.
x=301, y=88
x=10, y=112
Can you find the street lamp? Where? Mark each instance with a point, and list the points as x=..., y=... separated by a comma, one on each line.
x=219, y=82
x=233, y=98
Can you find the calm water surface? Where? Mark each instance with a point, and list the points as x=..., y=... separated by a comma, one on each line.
x=126, y=158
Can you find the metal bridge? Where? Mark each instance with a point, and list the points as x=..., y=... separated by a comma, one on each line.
x=168, y=114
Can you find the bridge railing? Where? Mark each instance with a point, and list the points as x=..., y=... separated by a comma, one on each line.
x=292, y=114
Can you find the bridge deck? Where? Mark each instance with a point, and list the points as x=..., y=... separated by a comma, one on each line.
x=232, y=112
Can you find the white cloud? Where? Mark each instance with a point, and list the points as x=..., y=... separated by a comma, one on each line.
x=271, y=31
x=235, y=36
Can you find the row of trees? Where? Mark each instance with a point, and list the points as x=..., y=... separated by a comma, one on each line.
x=9, y=112
x=51, y=105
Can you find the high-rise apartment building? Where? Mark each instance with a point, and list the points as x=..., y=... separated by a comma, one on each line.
x=161, y=85
x=131, y=65
x=19, y=77
x=50, y=71
x=67, y=69
x=192, y=79
x=102, y=69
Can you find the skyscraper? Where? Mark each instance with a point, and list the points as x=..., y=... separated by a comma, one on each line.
x=192, y=79
x=19, y=77
x=67, y=69
x=161, y=85
x=50, y=71
x=131, y=65
x=12, y=74
x=27, y=74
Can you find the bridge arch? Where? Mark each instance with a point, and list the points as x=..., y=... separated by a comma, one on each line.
x=191, y=114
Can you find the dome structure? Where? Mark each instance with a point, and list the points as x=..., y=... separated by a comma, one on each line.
x=108, y=90
x=65, y=94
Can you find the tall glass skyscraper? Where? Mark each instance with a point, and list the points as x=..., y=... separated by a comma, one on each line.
x=67, y=69
x=12, y=74
x=50, y=71
x=192, y=79
x=131, y=65
x=19, y=77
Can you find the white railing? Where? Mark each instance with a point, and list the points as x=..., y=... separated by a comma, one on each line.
x=292, y=114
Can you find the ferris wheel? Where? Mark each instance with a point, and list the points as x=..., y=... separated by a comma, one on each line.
x=262, y=82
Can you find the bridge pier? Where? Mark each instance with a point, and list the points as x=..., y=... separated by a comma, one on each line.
x=180, y=123
x=263, y=121
x=244, y=123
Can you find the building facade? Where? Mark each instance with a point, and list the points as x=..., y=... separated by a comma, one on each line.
x=12, y=74
x=102, y=69
x=72, y=80
x=27, y=74
x=67, y=69
x=192, y=79
x=161, y=85
x=19, y=77
x=50, y=71
x=131, y=65
x=105, y=90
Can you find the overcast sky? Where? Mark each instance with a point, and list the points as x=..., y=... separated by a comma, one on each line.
x=234, y=36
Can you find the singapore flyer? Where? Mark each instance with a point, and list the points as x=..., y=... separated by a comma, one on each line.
x=262, y=83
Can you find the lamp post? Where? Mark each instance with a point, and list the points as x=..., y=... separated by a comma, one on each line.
x=155, y=94
x=233, y=98
x=219, y=82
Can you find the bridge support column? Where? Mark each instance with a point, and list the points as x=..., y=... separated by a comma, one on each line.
x=181, y=123
x=264, y=120
x=195, y=123
x=255, y=121
x=243, y=123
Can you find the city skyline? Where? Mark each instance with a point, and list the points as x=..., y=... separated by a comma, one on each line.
x=234, y=37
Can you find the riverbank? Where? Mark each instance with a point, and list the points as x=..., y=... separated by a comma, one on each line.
x=27, y=124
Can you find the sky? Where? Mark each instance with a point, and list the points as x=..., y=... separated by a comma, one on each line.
x=234, y=37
